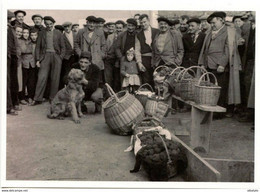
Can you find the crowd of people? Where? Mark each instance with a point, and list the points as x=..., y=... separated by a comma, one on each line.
x=125, y=54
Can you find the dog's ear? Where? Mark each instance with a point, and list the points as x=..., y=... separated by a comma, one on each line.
x=71, y=74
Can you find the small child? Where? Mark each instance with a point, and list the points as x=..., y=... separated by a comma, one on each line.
x=129, y=71
x=28, y=65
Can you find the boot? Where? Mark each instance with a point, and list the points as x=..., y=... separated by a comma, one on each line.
x=98, y=108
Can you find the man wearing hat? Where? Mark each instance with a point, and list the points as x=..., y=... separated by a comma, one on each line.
x=143, y=48
x=19, y=19
x=219, y=54
x=75, y=28
x=70, y=56
x=175, y=25
x=110, y=28
x=192, y=43
x=37, y=20
x=100, y=23
x=126, y=40
x=91, y=40
x=59, y=27
x=49, y=52
x=112, y=69
x=92, y=75
x=167, y=46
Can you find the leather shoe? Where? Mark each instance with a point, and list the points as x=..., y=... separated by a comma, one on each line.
x=35, y=103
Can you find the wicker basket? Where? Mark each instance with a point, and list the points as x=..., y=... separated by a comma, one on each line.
x=145, y=124
x=172, y=77
x=142, y=93
x=207, y=93
x=188, y=81
x=121, y=111
x=156, y=107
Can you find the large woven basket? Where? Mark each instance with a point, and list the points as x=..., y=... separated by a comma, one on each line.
x=188, y=80
x=143, y=92
x=156, y=107
x=207, y=93
x=121, y=111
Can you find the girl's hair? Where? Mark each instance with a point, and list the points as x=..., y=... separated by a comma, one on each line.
x=132, y=51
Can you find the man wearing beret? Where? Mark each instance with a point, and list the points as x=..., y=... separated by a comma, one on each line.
x=75, y=28
x=167, y=46
x=59, y=27
x=19, y=19
x=192, y=43
x=143, y=49
x=92, y=75
x=37, y=20
x=91, y=40
x=70, y=56
x=100, y=23
x=175, y=25
x=49, y=52
x=219, y=54
x=126, y=40
x=112, y=69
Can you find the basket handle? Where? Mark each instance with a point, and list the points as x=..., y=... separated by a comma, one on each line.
x=166, y=149
x=208, y=73
x=146, y=84
x=161, y=66
x=185, y=71
x=179, y=75
x=176, y=69
x=111, y=92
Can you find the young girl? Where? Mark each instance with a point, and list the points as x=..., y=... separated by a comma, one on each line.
x=129, y=71
x=28, y=67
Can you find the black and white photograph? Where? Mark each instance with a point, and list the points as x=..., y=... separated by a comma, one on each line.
x=135, y=98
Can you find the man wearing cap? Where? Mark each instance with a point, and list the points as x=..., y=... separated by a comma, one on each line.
x=175, y=25
x=219, y=54
x=112, y=69
x=70, y=56
x=92, y=75
x=59, y=27
x=19, y=19
x=126, y=40
x=100, y=23
x=49, y=51
x=110, y=28
x=192, y=43
x=75, y=28
x=167, y=46
x=143, y=48
x=37, y=20
x=91, y=40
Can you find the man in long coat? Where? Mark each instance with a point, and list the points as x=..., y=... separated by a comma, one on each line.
x=220, y=56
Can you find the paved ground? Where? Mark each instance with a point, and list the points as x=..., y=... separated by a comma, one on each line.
x=39, y=148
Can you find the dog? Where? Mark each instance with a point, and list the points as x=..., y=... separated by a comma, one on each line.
x=68, y=100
